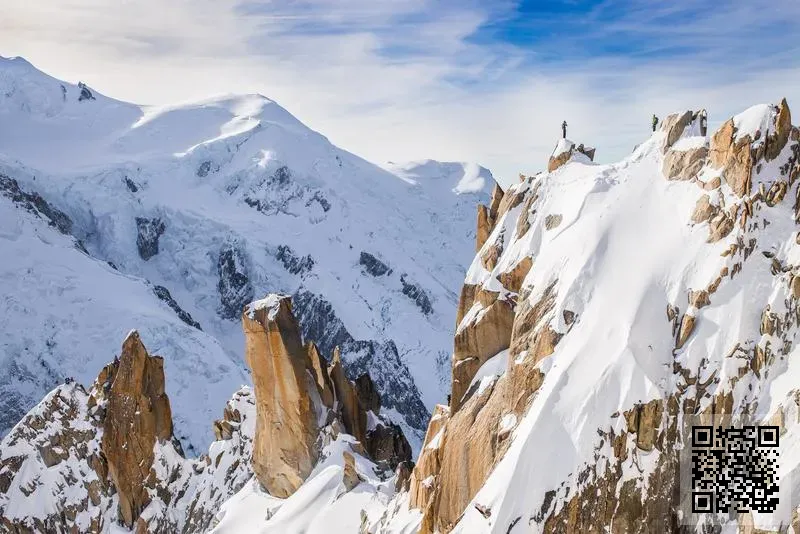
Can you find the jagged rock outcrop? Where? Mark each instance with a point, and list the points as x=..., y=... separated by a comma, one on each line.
x=624, y=476
x=684, y=164
x=674, y=126
x=354, y=417
x=736, y=153
x=164, y=295
x=287, y=421
x=373, y=265
x=387, y=446
x=114, y=447
x=565, y=150
x=297, y=394
x=350, y=477
x=483, y=332
x=137, y=415
x=234, y=286
x=487, y=217
x=685, y=147
x=148, y=232
x=107, y=444
x=320, y=324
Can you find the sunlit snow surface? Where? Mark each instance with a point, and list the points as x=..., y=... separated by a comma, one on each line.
x=237, y=172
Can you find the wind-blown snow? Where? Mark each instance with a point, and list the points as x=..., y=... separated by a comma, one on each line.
x=754, y=119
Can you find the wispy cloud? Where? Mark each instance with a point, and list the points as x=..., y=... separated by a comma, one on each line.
x=408, y=79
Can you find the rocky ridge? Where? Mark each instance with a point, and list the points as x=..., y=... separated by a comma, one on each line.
x=525, y=320
x=113, y=445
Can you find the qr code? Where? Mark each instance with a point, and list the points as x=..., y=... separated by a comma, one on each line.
x=734, y=469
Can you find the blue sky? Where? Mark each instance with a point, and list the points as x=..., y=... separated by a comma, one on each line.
x=448, y=79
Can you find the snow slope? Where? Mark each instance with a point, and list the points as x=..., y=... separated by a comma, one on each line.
x=625, y=250
x=625, y=263
x=218, y=203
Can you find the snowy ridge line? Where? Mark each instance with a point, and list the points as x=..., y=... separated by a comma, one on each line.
x=216, y=202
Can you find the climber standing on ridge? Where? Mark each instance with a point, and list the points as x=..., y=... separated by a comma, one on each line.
x=655, y=122
x=564, y=129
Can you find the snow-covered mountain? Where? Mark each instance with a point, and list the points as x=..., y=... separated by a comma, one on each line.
x=169, y=220
x=608, y=309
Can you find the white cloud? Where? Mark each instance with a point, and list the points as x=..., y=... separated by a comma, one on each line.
x=403, y=79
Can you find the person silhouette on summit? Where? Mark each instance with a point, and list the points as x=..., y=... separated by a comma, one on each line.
x=655, y=122
x=564, y=129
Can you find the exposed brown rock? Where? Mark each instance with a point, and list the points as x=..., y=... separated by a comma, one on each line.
x=319, y=370
x=512, y=280
x=350, y=477
x=698, y=299
x=552, y=221
x=472, y=437
x=353, y=415
x=137, y=414
x=476, y=343
x=713, y=184
x=403, y=476
x=776, y=193
x=512, y=198
x=674, y=125
x=284, y=450
x=497, y=198
x=387, y=446
x=367, y=394
x=733, y=157
x=491, y=256
x=769, y=322
x=684, y=164
x=484, y=227
x=703, y=210
x=687, y=326
x=422, y=485
x=530, y=330
x=719, y=227
x=560, y=159
x=783, y=128
x=523, y=223
x=466, y=300
x=644, y=421
x=795, y=286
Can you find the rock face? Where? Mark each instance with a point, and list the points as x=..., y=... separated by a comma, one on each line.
x=733, y=156
x=137, y=415
x=684, y=164
x=736, y=153
x=287, y=420
x=149, y=231
x=234, y=287
x=113, y=445
x=565, y=151
x=484, y=332
x=297, y=394
x=487, y=217
x=674, y=126
x=554, y=372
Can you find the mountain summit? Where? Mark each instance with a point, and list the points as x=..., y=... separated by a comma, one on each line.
x=172, y=219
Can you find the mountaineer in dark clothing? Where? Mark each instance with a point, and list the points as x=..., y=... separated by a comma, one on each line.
x=564, y=129
x=655, y=122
